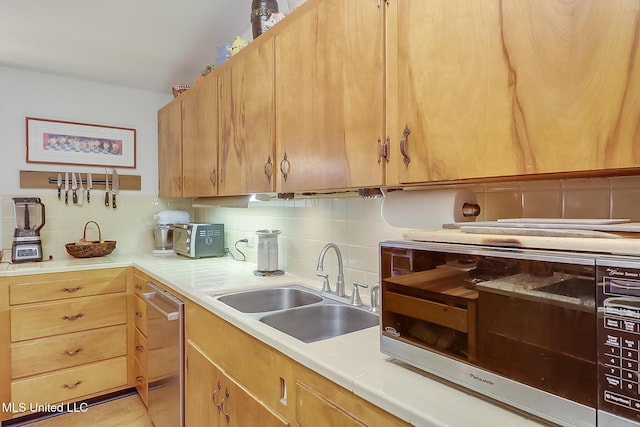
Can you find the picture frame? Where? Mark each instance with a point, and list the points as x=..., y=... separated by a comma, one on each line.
x=72, y=143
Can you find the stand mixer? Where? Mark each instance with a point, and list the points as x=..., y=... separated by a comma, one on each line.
x=29, y=213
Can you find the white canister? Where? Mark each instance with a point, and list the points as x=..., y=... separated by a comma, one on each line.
x=267, y=250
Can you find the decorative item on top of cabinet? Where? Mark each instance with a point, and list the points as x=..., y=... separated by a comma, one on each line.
x=489, y=89
x=329, y=96
x=68, y=334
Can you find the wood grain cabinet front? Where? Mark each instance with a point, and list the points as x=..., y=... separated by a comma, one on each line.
x=68, y=335
x=216, y=399
x=487, y=88
x=188, y=142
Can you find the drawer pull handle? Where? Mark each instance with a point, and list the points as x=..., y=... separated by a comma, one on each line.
x=74, y=317
x=213, y=396
x=140, y=379
x=73, y=352
x=71, y=290
x=138, y=314
x=138, y=286
x=72, y=386
x=224, y=399
x=140, y=348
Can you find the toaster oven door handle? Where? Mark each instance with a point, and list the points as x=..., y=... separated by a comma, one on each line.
x=625, y=285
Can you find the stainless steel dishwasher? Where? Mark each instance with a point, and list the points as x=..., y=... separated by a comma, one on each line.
x=165, y=326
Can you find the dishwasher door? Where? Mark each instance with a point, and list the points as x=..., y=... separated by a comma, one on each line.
x=165, y=357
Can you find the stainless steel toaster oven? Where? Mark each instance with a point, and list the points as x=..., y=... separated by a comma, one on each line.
x=552, y=333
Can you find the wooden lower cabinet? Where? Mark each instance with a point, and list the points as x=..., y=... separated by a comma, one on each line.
x=64, y=337
x=217, y=349
x=215, y=399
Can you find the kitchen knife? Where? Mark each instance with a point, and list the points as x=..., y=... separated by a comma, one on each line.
x=106, y=188
x=115, y=187
x=66, y=188
x=74, y=187
x=59, y=185
x=81, y=188
x=89, y=187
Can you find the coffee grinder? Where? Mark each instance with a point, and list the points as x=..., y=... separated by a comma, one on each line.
x=29, y=213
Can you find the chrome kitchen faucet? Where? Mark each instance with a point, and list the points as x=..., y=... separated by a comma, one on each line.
x=319, y=269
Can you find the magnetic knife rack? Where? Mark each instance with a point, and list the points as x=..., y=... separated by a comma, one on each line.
x=43, y=179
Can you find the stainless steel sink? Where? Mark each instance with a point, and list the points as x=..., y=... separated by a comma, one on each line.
x=273, y=299
x=302, y=313
x=318, y=322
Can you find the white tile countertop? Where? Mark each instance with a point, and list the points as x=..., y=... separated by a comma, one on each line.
x=353, y=360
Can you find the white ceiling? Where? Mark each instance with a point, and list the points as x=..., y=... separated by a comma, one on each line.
x=144, y=44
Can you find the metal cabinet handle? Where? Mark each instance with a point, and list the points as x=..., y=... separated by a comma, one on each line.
x=140, y=379
x=285, y=167
x=70, y=290
x=139, y=314
x=72, y=386
x=74, y=317
x=138, y=286
x=268, y=169
x=212, y=177
x=224, y=399
x=140, y=349
x=213, y=396
x=72, y=352
x=403, y=145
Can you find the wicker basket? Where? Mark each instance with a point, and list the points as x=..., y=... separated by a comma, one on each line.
x=90, y=249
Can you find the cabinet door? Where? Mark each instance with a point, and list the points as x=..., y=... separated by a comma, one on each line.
x=448, y=69
x=170, y=150
x=574, y=69
x=488, y=88
x=246, y=143
x=314, y=409
x=200, y=138
x=329, y=97
x=215, y=399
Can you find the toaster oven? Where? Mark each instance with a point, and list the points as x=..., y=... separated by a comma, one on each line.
x=552, y=333
x=199, y=240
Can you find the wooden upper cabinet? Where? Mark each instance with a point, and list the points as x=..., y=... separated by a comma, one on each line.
x=329, y=96
x=489, y=88
x=246, y=135
x=200, y=138
x=170, y=149
x=574, y=68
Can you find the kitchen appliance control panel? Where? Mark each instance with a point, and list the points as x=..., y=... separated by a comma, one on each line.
x=619, y=340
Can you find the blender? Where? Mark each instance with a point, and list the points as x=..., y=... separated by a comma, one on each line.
x=29, y=213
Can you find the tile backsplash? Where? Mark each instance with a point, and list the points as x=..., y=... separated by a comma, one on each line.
x=354, y=223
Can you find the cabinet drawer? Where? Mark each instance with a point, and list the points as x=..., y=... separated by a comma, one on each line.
x=141, y=348
x=79, y=314
x=140, y=285
x=48, y=287
x=140, y=315
x=142, y=384
x=70, y=384
x=49, y=354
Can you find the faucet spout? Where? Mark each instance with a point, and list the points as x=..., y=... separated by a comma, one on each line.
x=320, y=267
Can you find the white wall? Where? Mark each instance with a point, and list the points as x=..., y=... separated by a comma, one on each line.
x=29, y=94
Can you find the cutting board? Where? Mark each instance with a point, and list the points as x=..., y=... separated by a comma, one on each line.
x=543, y=232
x=612, y=226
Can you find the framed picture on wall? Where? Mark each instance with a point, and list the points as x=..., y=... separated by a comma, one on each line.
x=60, y=142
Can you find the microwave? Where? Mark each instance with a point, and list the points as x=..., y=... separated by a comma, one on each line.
x=551, y=333
x=199, y=240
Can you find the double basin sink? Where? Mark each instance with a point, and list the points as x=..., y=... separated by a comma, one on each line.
x=301, y=312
